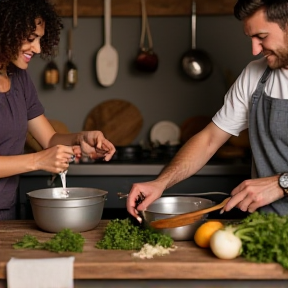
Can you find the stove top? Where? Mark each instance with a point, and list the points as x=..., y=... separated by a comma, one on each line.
x=160, y=156
x=155, y=161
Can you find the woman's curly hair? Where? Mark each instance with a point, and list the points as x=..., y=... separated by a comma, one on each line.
x=17, y=22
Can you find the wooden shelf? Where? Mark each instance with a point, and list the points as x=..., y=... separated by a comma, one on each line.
x=94, y=8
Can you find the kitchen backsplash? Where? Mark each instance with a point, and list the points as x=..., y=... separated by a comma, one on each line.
x=166, y=94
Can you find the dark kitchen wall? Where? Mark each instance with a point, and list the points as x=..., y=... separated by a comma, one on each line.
x=166, y=94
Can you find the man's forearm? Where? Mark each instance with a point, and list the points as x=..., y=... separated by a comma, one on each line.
x=193, y=155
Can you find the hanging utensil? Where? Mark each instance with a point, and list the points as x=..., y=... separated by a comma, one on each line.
x=51, y=75
x=196, y=63
x=70, y=71
x=75, y=13
x=107, y=56
x=186, y=218
x=147, y=59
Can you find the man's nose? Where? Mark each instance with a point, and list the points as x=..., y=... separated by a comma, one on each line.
x=256, y=47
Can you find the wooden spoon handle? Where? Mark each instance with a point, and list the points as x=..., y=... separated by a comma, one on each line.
x=186, y=218
x=75, y=13
x=107, y=21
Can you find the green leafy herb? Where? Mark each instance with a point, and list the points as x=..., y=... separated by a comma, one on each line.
x=124, y=235
x=63, y=241
x=264, y=238
x=28, y=242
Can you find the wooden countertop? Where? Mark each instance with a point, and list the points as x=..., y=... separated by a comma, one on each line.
x=187, y=262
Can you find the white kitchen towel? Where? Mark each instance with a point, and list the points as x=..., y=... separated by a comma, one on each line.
x=40, y=273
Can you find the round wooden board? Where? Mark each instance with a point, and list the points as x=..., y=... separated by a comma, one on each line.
x=242, y=140
x=119, y=120
x=230, y=152
x=192, y=126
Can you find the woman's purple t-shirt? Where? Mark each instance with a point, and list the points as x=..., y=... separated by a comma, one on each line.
x=17, y=106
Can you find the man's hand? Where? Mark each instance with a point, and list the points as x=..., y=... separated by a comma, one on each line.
x=254, y=193
x=148, y=192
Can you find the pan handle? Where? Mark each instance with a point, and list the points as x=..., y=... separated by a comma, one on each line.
x=196, y=194
x=141, y=197
x=123, y=195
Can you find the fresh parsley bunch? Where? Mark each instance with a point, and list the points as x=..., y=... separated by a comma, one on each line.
x=64, y=241
x=28, y=242
x=124, y=235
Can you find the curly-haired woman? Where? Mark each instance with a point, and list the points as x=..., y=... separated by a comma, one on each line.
x=29, y=27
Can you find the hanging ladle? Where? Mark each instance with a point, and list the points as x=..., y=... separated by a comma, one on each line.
x=186, y=218
x=196, y=63
x=147, y=60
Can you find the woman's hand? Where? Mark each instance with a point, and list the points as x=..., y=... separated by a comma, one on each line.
x=55, y=159
x=95, y=145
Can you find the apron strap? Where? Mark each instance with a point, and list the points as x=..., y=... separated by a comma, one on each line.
x=265, y=75
x=261, y=84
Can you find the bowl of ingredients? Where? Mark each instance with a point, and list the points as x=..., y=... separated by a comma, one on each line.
x=170, y=206
x=77, y=208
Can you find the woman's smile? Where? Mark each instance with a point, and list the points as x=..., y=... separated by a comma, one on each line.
x=30, y=46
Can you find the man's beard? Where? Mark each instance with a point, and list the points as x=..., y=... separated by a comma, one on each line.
x=280, y=58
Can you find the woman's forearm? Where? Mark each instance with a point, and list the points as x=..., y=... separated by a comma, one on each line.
x=65, y=139
x=13, y=165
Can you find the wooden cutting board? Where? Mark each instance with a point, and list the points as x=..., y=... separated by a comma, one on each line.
x=187, y=262
x=192, y=126
x=119, y=120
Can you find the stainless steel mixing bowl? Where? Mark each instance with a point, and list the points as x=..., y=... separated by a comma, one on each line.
x=80, y=211
x=167, y=207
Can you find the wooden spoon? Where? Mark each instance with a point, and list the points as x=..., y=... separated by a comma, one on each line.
x=186, y=218
x=107, y=57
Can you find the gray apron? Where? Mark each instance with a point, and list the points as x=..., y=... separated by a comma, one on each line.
x=268, y=135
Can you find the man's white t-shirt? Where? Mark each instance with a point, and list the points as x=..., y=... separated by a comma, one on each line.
x=233, y=117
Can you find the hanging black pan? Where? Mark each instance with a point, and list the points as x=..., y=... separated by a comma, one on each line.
x=196, y=63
